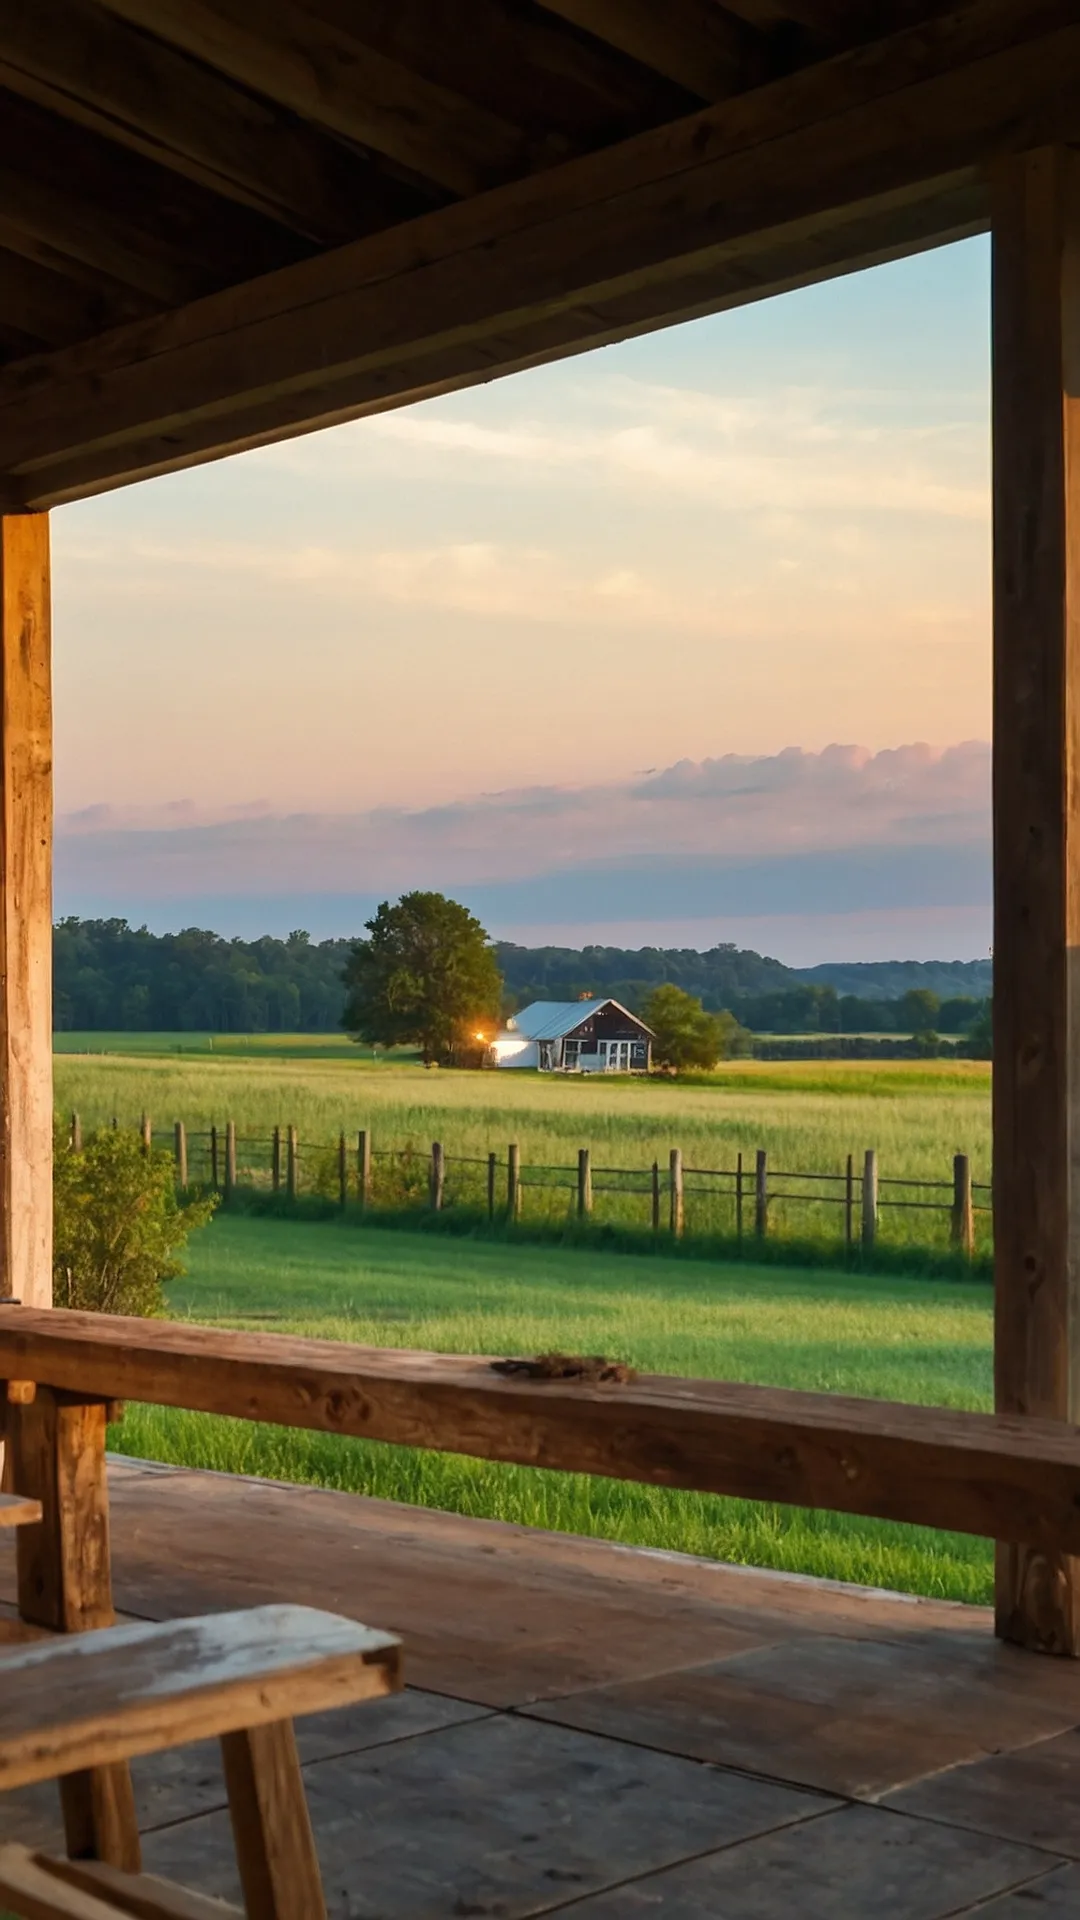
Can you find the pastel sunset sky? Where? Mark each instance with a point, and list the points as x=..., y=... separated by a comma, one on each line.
x=549, y=644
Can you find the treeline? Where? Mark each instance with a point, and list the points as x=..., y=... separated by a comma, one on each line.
x=112, y=977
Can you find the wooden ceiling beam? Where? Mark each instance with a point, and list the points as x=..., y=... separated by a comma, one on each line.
x=327, y=75
x=58, y=309
x=84, y=64
x=696, y=43
x=67, y=195
x=892, y=132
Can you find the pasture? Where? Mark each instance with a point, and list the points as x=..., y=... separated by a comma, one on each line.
x=807, y=1117
x=894, y=1338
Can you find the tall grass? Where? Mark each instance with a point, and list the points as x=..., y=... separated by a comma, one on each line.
x=806, y=1117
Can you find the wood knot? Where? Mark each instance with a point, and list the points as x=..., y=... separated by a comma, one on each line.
x=568, y=1366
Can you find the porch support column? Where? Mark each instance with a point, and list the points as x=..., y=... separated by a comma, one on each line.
x=25, y=910
x=1036, y=313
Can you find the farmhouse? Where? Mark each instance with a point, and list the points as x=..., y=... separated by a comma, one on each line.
x=574, y=1036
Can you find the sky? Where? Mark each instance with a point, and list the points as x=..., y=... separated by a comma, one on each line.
x=625, y=648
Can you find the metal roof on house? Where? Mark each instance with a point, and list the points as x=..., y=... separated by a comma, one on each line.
x=554, y=1019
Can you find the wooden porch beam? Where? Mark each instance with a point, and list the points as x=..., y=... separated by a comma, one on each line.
x=330, y=77
x=25, y=911
x=696, y=43
x=669, y=222
x=1036, y=227
x=85, y=65
x=969, y=1472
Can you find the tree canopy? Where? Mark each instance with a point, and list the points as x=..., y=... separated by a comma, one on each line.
x=427, y=977
x=685, y=1035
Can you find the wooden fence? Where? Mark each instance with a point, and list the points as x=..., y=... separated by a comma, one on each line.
x=747, y=1197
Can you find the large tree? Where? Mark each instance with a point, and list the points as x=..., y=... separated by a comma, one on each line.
x=687, y=1036
x=427, y=977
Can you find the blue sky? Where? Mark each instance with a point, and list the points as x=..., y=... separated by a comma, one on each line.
x=764, y=531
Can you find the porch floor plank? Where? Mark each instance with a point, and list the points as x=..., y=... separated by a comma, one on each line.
x=609, y=1732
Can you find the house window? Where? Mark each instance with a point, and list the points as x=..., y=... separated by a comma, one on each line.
x=570, y=1053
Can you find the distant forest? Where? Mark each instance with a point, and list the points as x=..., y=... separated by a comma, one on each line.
x=112, y=977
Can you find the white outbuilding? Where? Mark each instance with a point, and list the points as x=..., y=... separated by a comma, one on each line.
x=574, y=1036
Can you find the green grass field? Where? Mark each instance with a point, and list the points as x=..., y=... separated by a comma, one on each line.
x=898, y=1339
x=807, y=1117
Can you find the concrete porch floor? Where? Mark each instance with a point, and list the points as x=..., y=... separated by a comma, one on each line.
x=608, y=1732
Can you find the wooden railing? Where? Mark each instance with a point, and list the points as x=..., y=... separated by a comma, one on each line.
x=1016, y=1480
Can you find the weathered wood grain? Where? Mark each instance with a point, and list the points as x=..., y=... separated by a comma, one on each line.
x=89, y=67
x=1009, y=1478
x=275, y=1847
x=140, y=1895
x=34, y=1892
x=896, y=124
x=693, y=42
x=25, y=910
x=1037, y=841
x=86, y=1701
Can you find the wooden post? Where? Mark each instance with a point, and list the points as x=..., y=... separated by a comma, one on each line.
x=230, y=1158
x=180, y=1150
x=363, y=1166
x=761, y=1194
x=492, y=1176
x=293, y=1164
x=26, y=1097
x=738, y=1199
x=268, y=1809
x=513, y=1181
x=963, y=1210
x=343, y=1171
x=76, y=1133
x=438, y=1175
x=214, y=1170
x=869, y=1201
x=1036, y=312
x=678, y=1204
x=56, y=1454
x=656, y=1196
x=584, y=1183
x=146, y=1134
x=275, y=1160
x=849, y=1203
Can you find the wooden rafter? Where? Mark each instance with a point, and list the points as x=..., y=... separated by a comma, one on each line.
x=696, y=43
x=331, y=78
x=91, y=68
x=667, y=223
x=66, y=194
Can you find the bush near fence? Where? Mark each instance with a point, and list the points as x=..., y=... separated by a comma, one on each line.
x=856, y=1211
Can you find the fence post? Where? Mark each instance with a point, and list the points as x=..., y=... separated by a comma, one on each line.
x=963, y=1211
x=761, y=1194
x=275, y=1160
x=343, y=1170
x=214, y=1181
x=230, y=1158
x=584, y=1183
x=292, y=1169
x=513, y=1181
x=438, y=1175
x=76, y=1133
x=493, y=1166
x=849, y=1203
x=180, y=1150
x=869, y=1201
x=738, y=1199
x=678, y=1210
x=363, y=1165
x=656, y=1196
x=146, y=1133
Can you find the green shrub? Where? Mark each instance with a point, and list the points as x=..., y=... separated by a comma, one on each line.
x=118, y=1225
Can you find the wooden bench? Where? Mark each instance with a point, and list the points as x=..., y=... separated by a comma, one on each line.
x=82, y=1704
